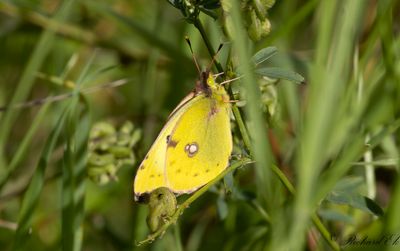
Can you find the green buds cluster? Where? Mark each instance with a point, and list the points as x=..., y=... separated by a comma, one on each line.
x=255, y=14
x=109, y=149
x=162, y=205
x=269, y=95
x=255, y=17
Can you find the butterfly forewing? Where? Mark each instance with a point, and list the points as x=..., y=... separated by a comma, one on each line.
x=200, y=145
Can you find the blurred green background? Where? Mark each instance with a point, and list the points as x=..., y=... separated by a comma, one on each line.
x=326, y=150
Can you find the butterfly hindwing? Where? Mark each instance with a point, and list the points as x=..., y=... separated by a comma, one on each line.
x=199, y=146
x=151, y=172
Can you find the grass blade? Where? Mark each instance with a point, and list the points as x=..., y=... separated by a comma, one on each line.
x=28, y=76
x=260, y=147
x=23, y=147
x=73, y=179
x=32, y=194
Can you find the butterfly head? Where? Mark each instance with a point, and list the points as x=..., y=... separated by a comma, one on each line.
x=208, y=85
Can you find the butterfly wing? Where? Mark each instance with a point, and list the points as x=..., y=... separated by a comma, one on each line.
x=199, y=146
x=151, y=172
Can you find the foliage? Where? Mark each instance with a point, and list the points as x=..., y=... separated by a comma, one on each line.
x=315, y=123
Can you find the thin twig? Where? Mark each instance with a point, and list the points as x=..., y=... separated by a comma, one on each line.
x=60, y=97
x=8, y=225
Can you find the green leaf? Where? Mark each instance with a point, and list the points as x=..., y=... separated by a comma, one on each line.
x=211, y=13
x=335, y=216
x=229, y=182
x=243, y=195
x=384, y=132
x=344, y=194
x=263, y=55
x=357, y=201
x=211, y=4
x=175, y=3
x=371, y=205
x=279, y=73
x=222, y=208
x=348, y=184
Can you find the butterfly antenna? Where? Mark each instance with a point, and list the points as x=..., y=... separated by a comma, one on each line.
x=231, y=80
x=218, y=74
x=193, y=56
x=215, y=56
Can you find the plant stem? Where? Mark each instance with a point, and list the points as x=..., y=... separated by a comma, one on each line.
x=197, y=23
x=235, y=110
x=317, y=222
x=242, y=127
x=177, y=237
x=324, y=232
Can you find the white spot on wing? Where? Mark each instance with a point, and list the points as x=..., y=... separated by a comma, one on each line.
x=191, y=149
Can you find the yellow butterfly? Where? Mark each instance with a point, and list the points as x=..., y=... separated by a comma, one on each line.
x=195, y=144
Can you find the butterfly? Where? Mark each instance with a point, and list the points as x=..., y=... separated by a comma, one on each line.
x=195, y=144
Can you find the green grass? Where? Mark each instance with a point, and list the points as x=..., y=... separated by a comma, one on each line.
x=315, y=162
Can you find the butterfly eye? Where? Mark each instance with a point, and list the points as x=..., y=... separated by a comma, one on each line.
x=210, y=82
